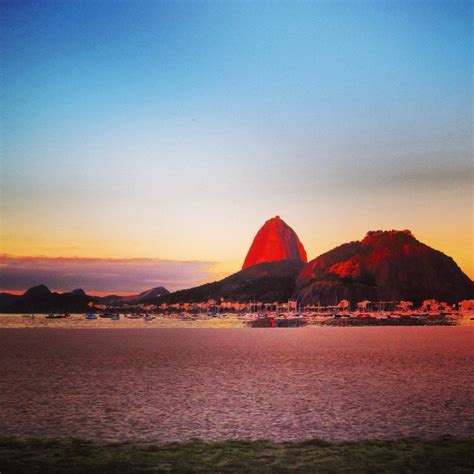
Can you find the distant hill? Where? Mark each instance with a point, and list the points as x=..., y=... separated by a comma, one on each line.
x=39, y=299
x=133, y=299
x=7, y=299
x=275, y=241
x=385, y=265
x=266, y=282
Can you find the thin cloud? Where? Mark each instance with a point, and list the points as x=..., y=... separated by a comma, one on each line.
x=100, y=275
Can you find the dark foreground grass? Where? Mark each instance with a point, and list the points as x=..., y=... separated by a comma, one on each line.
x=446, y=455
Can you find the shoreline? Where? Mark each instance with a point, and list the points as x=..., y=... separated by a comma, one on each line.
x=78, y=321
x=439, y=455
x=17, y=321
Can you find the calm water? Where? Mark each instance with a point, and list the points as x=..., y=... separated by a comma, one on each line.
x=174, y=384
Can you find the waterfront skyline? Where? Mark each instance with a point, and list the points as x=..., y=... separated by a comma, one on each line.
x=164, y=134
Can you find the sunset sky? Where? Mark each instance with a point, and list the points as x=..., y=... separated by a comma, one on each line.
x=144, y=143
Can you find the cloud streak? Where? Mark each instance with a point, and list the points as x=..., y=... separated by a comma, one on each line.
x=100, y=274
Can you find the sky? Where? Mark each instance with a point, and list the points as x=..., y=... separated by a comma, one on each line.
x=144, y=143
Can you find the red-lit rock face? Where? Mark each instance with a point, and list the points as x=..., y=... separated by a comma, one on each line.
x=385, y=265
x=275, y=241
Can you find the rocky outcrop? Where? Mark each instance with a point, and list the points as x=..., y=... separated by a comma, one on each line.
x=385, y=265
x=275, y=241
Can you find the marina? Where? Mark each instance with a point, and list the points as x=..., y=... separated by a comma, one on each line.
x=240, y=319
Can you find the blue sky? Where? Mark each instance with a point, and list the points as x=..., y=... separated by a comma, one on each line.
x=173, y=130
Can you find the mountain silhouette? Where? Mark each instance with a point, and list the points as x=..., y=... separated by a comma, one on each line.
x=385, y=265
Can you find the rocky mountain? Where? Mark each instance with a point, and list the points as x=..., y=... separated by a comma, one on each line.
x=265, y=282
x=7, y=299
x=134, y=299
x=275, y=241
x=385, y=265
x=39, y=299
x=38, y=291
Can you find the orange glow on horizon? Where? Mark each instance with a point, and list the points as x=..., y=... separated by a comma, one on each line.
x=116, y=293
x=13, y=292
x=90, y=293
x=225, y=250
